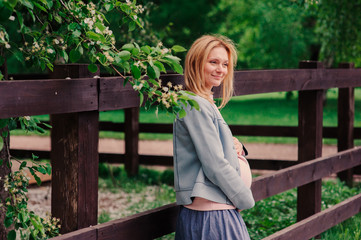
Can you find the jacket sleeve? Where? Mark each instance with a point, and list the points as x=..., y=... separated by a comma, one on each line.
x=209, y=149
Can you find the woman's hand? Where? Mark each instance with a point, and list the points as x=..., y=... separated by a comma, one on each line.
x=239, y=147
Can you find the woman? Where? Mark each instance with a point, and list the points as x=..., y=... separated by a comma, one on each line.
x=209, y=181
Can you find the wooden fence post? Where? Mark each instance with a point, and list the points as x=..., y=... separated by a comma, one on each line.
x=310, y=113
x=346, y=115
x=131, y=131
x=74, y=159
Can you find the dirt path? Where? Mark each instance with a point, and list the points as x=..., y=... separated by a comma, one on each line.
x=116, y=204
x=256, y=150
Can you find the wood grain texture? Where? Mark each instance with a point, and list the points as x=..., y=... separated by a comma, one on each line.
x=113, y=95
x=146, y=225
x=131, y=132
x=310, y=117
x=35, y=97
x=304, y=173
x=345, y=119
x=320, y=222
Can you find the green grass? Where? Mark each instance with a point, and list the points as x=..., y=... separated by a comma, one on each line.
x=267, y=217
x=260, y=109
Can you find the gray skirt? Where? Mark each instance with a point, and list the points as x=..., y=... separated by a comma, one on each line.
x=210, y=225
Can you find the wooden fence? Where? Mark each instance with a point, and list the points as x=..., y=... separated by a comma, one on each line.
x=74, y=105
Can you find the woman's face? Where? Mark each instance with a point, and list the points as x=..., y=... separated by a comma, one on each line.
x=216, y=67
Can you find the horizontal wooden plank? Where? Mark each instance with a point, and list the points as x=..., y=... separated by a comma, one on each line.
x=244, y=130
x=152, y=160
x=89, y=233
x=35, y=97
x=113, y=95
x=146, y=225
x=303, y=173
x=262, y=81
x=319, y=222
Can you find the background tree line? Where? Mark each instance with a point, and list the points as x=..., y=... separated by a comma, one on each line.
x=268, y=34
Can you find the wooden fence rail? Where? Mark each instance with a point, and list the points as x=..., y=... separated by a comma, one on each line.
x=74, y=98
x=262, y=187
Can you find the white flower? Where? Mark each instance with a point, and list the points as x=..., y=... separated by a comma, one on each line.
x=164, y=50
x=135, y=17
x=165, y=89
x=49, y=50
x=97, y=30
x=92, y=12
x=27, y=117
x=11, y=18
x=7, y=45
x=56, y=41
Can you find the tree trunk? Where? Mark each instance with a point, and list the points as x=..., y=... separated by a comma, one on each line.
x=4, y=171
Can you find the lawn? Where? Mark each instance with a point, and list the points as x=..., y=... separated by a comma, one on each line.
x=260, y=109
x=267, y=217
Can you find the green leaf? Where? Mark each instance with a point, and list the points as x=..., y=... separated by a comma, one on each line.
x=34, y=157
x=108, y=6
x=39, y=6
x=126, y=80
x=4, y=123
x=153, y=72
x=76, y=33
x=160, y=66
x=1, y=143
x=125, y=55
x=141, y=99
x=173, y=62
x=12, y=3
x=177, y=48
x=31, y=14
x=74, y=55
x=38, y=180
x=135, y=51
x=102, y=58
x=22, y=165
x=12, y=235
x=93, y=36
x=20, y=19
x=172, y=58
x=135, y=72
x=42, y=170
x=5, y=134
x=182, y=113
x=64, y=55
x=100, y=26
x=93, y=68
x=128, y=47
x=146, y=49
x=132, y=26
x=48, y=168
x=155, y=83
x=8, y=221
x=194, y=104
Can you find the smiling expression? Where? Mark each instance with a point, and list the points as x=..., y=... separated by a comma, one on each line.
x=216, y=67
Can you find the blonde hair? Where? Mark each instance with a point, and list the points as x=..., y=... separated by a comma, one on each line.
x=194, y=66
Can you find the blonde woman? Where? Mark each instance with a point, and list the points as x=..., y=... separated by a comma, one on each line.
x=212, y=175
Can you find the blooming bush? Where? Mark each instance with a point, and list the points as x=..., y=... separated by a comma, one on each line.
x=44, y=33
x=68, y=31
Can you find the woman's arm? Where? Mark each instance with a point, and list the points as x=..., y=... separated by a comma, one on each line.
x=208, y=145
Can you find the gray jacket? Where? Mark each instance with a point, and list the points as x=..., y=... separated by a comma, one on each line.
x=205, y=160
